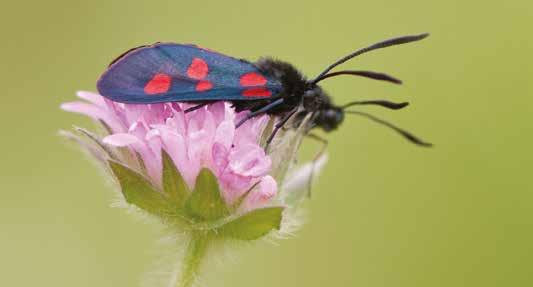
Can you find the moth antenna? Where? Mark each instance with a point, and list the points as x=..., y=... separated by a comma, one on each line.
x=382, y=103
x=379, y=45
x=367, y=74
x=410, y=137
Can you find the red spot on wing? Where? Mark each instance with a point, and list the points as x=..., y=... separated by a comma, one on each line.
x=252, y=79
x=203, y=86
x=198, y=69
x=257, y=92
x=159, y=84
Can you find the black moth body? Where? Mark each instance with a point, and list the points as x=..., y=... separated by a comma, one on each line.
x=299, y=92
x=301, y=96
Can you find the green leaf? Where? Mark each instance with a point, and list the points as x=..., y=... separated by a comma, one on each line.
x=173, y=183
x=206, y=202
x=96, y=140
x=139, y=191
x=254, y=224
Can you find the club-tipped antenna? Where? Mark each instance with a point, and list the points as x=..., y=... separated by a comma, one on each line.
x=382, y=103
x=367, y=74
x=410, y=137
x=376, y=46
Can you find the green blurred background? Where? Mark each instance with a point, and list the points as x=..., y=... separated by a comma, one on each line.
x=385, y=213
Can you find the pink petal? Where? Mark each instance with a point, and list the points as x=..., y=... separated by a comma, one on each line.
x=177, y=121
x=121, y=139
x=92, y=98
x=220, y=157
x=150, y=151
x=233, y=185
x=249, y=160
x=94, y=112
x=133, y=113
x=251, y=130
x=218, y=110
x=205, y=138
x=174, y=145
x=209, y=128
x=225, y=133
x=153, y=133
x=263, y=194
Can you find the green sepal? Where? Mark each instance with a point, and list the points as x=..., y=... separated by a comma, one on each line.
x=138, y=191
x=253, y=225
x=96, y=140
x=206, y=203
x=173, y=183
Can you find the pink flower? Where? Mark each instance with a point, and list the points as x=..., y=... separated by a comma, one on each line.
x=205, y=138
x=205, y=179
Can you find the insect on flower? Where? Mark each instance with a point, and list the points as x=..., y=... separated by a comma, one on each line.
x=168, y=72
x=204, y=169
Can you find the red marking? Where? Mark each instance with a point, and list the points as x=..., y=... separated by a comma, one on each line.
x=198, y=69
x=159, y=84
x=257, y=92
x=204, y=86
x=252, y=79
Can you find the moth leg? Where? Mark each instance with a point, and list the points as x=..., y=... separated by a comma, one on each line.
x=194, y=108
x=262, y=110
x=324, y=145
x=278, y=126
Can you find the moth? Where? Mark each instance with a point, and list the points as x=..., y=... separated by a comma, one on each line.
x=169, y=72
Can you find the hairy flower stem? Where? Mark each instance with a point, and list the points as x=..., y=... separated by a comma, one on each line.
x=194, y=254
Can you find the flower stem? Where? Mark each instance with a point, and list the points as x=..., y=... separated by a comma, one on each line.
x=195, y=252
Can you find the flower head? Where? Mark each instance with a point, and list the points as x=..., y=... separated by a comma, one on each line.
x=204, y=138
x=195, y=170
